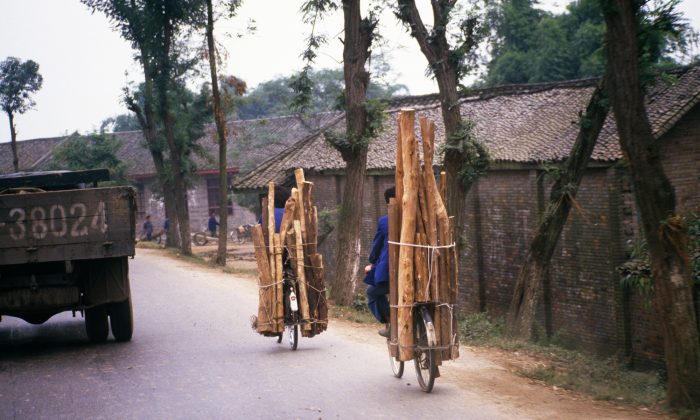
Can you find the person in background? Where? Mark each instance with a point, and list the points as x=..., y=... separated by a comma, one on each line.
x=213, y=223
x=148, y=228
x=377, y=271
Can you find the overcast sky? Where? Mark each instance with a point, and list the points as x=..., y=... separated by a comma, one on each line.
x=85, y=64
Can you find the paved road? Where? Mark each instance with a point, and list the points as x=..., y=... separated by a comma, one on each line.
x=194, y=356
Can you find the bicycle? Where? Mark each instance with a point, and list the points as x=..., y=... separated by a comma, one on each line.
x=292, y=318
x=424, y=349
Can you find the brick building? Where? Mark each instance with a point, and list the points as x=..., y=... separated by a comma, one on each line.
x=526, y=127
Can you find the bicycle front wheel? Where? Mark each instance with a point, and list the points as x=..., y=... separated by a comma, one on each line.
x=396, y=366
x=293, y=331
x=424, y=358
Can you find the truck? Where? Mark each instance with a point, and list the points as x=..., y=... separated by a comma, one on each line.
x=64, y=246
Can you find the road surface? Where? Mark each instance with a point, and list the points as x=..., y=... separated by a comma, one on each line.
x=194, y=355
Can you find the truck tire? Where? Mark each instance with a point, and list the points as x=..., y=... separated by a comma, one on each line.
x=96, y=324
x=121, y=320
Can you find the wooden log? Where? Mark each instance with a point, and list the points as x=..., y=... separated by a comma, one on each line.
x=271, y=225
x=421, y=269
x=393, y=278
x=300, y=214
x=301, y=278
x=279, y=291
x=408, y=228
x=398, y=180
x=310, y=218
x=321, y=303
x=445, y=318
x=264, y=219
x=264, y=323
x=287, y=218
x=431, y=194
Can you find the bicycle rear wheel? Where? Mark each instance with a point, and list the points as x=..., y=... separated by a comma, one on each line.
x=424, y=358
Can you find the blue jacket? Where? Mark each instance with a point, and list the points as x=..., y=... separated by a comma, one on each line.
x=379, y=254
x=279, y=212
x=212, y=224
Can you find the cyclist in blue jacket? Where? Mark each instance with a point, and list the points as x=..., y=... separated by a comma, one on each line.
x=377, y=272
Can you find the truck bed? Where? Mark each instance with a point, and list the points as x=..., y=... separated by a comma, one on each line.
x=67, y=225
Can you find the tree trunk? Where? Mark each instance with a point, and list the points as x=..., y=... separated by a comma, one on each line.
x=520, y=321
x=436, y=50
x=179, y=185
x=13, y=142
x=221, y=133
x=358, y=38
x=665, y=233
x=449, y=105
x=147, y=121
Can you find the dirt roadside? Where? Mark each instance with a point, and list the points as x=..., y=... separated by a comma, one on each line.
x=492, y=371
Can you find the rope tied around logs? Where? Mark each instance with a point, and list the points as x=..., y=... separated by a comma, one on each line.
x=431, y=256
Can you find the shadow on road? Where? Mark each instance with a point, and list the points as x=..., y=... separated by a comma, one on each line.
x=21, y=339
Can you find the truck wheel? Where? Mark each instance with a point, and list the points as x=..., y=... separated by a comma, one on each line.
x=121, y=320
x=96, y=324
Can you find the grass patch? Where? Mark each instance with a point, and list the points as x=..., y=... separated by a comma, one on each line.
x=241, y=272
x=602, y=379
x=349, y=313
x=148, y=245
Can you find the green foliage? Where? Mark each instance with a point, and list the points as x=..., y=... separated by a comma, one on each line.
x=276, y=97
x=119, y=123
x=351, y=144
x=302, y=85
x=327, y=222
x=93, y=151
x=636, y=271
x=531, y=45
x=604, y=379
x=18, y=80
x=551, y=171
x=473, y=154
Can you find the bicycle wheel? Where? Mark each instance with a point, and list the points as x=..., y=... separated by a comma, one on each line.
x=396, y=366
x=424, y=358
x=293, y=331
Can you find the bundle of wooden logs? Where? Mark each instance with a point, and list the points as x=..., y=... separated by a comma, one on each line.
x=290, y=258
x=422, y=253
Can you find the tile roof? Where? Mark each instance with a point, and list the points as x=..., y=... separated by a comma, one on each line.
x=277, y=134
x=518, y=123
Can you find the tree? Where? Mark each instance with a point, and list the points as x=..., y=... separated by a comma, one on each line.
x=158, y=30
x=466, y=158
x=362, y=120
x=665, y=233
x=132, y=21
x=219, y=119
x=18, y=81
x=93, y=151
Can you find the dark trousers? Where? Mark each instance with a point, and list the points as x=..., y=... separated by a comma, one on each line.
x=377, y=301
